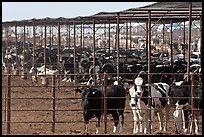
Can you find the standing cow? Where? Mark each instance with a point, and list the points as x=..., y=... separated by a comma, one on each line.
x=138, y=92
x=181, y=97
x=93, y=105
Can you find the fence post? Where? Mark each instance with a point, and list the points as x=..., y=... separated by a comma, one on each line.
x=192, y=103
x=105, y=103
x=8, y=101
x=53, y=103
x=5, y=105
x=149, y=77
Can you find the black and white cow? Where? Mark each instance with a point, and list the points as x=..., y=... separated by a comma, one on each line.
x=180, y=96
x=138, y=92
x=7, y=61
x=92, y=105
x=40, y=71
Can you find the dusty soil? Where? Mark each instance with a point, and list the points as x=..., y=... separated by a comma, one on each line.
x=69, y=119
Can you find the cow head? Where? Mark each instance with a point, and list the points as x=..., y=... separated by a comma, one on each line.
x=135, y=90
x=90, y=96
x=138, y=83
x=132, y=94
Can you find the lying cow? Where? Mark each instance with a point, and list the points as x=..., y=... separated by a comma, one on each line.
x=40, y=71
x=92, y=105
x=139, y=104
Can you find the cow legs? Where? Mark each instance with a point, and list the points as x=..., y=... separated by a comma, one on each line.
x=185, y=120
x=86, y=121
x=166, y=115
x=135, y=124
x=140, y=119
x=121, y=121
x=146, y=122
x=177, y=119
x=98, y=124
x=86, y=127
x=196, y=124
x=160, y=121
x=116, y=121
x=195, y=128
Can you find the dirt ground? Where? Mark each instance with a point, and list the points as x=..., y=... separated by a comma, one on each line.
x=68, y=115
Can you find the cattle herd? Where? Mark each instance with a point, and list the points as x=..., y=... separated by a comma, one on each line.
x=170, y=83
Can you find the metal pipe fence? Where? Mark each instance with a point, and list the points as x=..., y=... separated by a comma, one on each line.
x=9, y=108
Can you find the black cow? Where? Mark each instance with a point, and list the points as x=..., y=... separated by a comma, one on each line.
x=93, y=105
x=180, y=96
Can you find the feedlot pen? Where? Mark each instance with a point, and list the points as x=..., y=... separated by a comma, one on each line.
x=53, y=108
x=32, y=111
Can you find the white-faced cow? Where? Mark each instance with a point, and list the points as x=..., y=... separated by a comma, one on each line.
x=93, y=105
x=181, y=97
x=138, y=92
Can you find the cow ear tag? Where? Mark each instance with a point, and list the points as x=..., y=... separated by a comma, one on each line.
x=138, y=81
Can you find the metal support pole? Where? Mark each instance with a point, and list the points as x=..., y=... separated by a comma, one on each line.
x=130, y=35
x=41, y=40
x=189, y=40
x=7, y=70
x=184, y=40
x=74, y=55
x=81, y=33
x=200, y=34
x=105, y=35
x=34, y=44
x=69, y=37
x=149, y=78
x=147, y=35
x=53, y=103
x=8, y=101
x=171, y=44
x=94, y=58
x=126, y=41
x=50, y=36
x=45, y=44
x=23, y=72
x=105, y=102
x=34, y=78
x=171, y=38
x=163, y=43
x=58, y=52
x=16, y=41
x=109, y=37
x=7, y=47
x=118, y=45
x=24, y=41
x=58, y=43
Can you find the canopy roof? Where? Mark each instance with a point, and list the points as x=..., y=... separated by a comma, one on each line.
x=161, y=12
